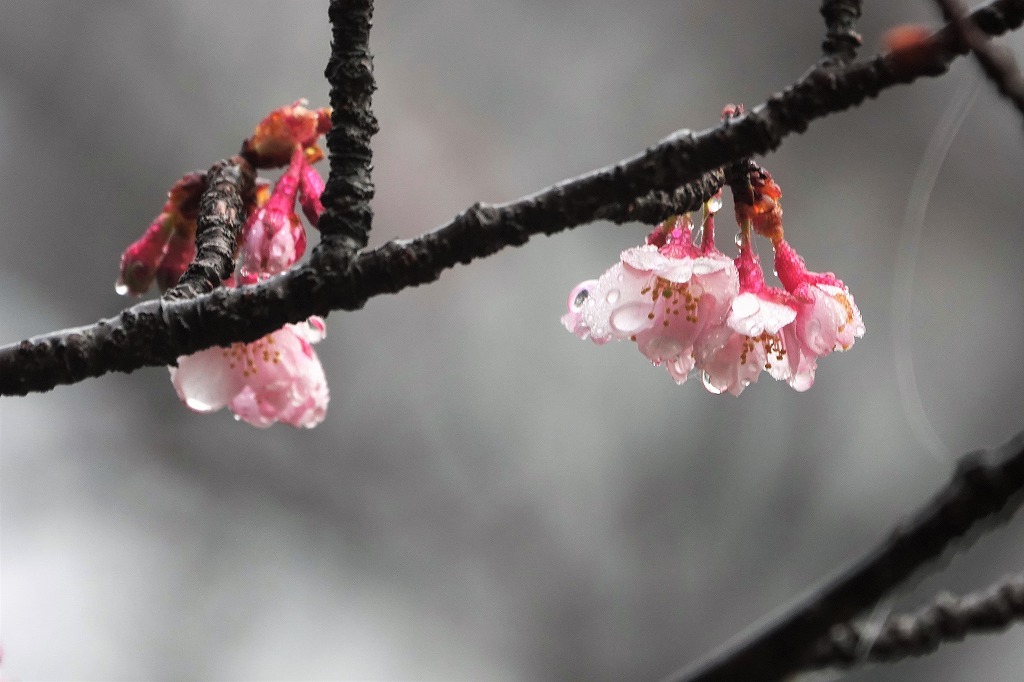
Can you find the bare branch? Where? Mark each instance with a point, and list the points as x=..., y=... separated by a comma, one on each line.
x=986, y=487
x=841, y=39
x=947, y=619
x=996, y=61
x=155, y=333
x=347, y=213
x=229, y=187
x=657, y=205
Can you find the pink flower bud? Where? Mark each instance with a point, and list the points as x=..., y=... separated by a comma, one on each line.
x=273, y=237
x=311, y=186
x=144, y=260
x=284, y=129
x=140, y=260
x=181, y=249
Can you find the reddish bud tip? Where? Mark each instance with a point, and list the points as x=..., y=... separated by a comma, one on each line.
x=909, y=46
x=732, y=111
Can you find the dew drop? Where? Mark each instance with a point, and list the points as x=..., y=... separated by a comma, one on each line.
x=120, y=288
x=198, y=405
x=612, y=297
x=706, y=378
x=745, y=305
x=630, y=318
x=738, y=241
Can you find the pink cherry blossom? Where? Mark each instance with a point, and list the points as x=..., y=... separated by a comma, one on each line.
x=827, y=318
x=276, y=378
x=273, y=237
x=661, y=295
x=732, y=356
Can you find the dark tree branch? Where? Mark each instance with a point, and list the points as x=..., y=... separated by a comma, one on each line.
x=229, y=188
x=947, y=619
x=155, y=333
x=997, y=62
x=986, y=487
x=657, y=205
x=347, y=214
x=841, y=39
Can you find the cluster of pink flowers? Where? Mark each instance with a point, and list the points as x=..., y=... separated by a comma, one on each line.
x=692, y=307
x=278, y=377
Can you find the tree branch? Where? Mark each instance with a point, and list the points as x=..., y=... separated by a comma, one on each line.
x=986, y=487
x=657, y=205
x=947, y=619
x=155, y=333
x=347, y=217
x=997, y=62
x=841, y=39
x=229, y=187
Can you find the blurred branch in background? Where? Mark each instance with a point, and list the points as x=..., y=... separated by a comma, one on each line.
x=841, y=38
x=996, y=61
x=948, y=618
x=986, y=488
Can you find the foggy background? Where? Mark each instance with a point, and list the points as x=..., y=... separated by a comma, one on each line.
x=489, y=498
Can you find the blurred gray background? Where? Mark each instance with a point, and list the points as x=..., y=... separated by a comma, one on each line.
x=490, y=498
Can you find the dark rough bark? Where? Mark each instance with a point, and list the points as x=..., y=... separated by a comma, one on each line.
x=654, y=207
x=155, y=333
x=948, y=618
x=986, y=488
x=347, y=216
x=229, y=188
x=841, y=39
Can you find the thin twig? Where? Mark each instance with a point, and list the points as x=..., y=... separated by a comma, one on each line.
x=347, y=213
x=986, y=487
x=229, y=187
x=948, y=618
x=156, y=333
x=841, y=39
x=997, y=61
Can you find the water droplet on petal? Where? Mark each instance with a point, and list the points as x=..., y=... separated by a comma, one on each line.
x=706, y=378
x=120, y=288
x=579, y=295
x=745, y=305
x=738, y=239
x=198, y=405
x=630, y=318
x=613, y=296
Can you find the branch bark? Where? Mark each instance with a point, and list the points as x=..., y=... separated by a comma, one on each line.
x=155, y=333
x=347, y=213
x=229, y=188
x=947, y=618
x=986, y=487
x=841, y=38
